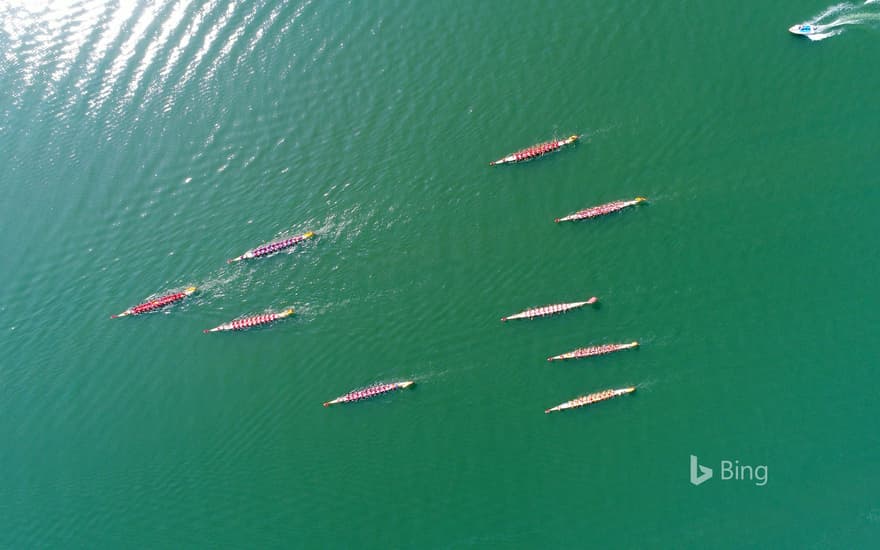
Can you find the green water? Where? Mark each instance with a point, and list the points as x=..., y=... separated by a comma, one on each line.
x=144, y=143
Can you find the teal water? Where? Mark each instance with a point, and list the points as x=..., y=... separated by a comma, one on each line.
x=144, y=143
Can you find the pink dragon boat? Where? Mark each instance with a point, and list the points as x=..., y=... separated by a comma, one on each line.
x=156, y=303
x=544, y=311
x=592, y=351
x=601, y=210
x=271, y=248
x=367, y=393
x=590, y=399
x=536, y=151
x=249, y=322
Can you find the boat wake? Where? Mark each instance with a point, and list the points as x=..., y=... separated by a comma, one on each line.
x=835, y=19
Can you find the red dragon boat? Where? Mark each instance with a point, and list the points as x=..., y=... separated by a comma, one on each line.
x=592, y=351
x=601, y=210
x=271, y=248
x=156, y=303
x=544, y=311
x=249, y=322
x=367, y=393
x=590, y=399
x=536, y=151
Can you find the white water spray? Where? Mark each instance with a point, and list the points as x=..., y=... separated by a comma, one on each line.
x=835, y=19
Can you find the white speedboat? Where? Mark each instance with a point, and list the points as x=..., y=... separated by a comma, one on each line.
x=804, y=29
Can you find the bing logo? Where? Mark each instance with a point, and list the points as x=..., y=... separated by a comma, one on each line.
x=730, y=470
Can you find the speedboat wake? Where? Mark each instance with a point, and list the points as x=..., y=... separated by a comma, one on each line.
x=837, y=18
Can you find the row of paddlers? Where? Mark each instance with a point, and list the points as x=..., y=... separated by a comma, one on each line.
x=579, y=353
x=541, y=149
x=587, y=213
x=379, y=389
x=520, y=156
x=591, y=351
x=236, y=324
x=262, y=319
